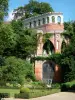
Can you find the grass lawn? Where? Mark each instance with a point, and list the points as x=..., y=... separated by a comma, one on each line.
x=11, y=91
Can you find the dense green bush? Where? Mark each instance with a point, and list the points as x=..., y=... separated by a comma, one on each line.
x=22, y=95
x=24, y=90
x=68, y=86
x=4, y=95
x=55, y=86
x=16, y=70
x=38, y=85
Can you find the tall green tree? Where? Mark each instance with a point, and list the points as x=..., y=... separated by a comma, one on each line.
x=33, y=8
x=26, y=42
x=68, y=55
x=7, y=37
x=3, y=8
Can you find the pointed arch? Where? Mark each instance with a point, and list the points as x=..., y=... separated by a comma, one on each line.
x=48, y=47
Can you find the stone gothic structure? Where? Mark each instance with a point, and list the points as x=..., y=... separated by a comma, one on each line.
x=48, y=23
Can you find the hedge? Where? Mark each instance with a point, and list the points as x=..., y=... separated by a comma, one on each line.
x=68, y=86
x=4, y=95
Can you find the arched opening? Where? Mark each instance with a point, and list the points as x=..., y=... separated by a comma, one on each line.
x=47, y=19
x=48, y=71
x=63, y=46
x=53, y=19
x=59, y=19
x=48, y=47
x=43, y=20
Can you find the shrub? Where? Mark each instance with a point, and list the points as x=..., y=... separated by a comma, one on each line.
x=2, y=83
x=64, y=87
x=68, y=86
x=17, y=70
x=24, y=90
x=38, y=85
x=4, y=95
x=56, y=86
x=73, y=87
x=22, y=95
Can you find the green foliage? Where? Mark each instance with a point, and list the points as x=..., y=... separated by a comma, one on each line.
x=55, y=86
x=36, y=93
x=46, y=37
x=16, y=69
x=54, y=57
x=26, y=41
x=24, y=90
x=4, y=95
x=33, y=8
x=7, y=37
x=10, y=91
x=38, y=85
x=3, y=8
x=68, y=86
x=68, y=53
x=2, y=61
x=22, y=95
x=42, y=92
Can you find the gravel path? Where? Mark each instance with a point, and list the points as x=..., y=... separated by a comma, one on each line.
x=56, y=96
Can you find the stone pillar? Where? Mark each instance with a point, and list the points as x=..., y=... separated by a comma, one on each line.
x=41, y=21
x=46, y=21
x=36, y=23
x=32, y=24
x=57, y=74
x=50, y=19
x=40, y=49
x=61, y=19
x=38, y=70
x=56, y=21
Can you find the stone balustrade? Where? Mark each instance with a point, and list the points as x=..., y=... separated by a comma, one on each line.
x=47, y=18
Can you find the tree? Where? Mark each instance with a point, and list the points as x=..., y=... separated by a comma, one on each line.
x=3, y=8
x=16, y=69
x=26, y=42
x=68, y=55
x=33, y=8
x=7, y=37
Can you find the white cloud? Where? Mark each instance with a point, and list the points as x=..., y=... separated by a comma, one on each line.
x=10, y=16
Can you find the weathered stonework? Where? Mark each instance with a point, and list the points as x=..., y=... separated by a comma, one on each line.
x=51, y=22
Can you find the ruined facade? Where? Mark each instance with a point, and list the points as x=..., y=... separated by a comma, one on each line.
x=48, y=23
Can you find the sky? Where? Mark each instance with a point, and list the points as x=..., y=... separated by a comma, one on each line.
x=67, y=7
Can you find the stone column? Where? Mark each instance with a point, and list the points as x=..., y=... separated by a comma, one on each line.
x=36, y=23
x=56, y=21
x=50, y=19
x=46, y=21
x=41, y=21
x=61, y=19
x=32, y=24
